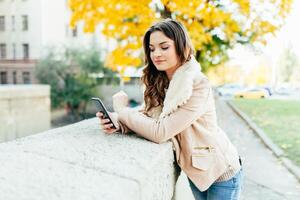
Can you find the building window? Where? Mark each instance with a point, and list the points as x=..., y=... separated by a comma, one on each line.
x=14, y=51
x=15, y=77
x=24, y=22
x=2, y=23
x=25, y=51
x=26, y=77
x=3, y=77
x=13, y=23
x=74, y=31
x=2, y=51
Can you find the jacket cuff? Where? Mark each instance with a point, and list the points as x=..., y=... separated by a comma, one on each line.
x=123, y=128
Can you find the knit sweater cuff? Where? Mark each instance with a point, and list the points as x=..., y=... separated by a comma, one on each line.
x=228, y=174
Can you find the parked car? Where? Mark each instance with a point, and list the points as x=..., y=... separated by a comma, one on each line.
x=268, y=89
x=229, y=89
x=285, y=91
x=254, y=93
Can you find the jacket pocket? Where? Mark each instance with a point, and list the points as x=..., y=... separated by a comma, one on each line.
x=202, y=161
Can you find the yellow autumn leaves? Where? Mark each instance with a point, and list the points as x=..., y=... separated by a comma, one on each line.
x=214, y=26
x=126, y=21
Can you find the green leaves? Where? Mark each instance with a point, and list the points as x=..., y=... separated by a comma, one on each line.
x=68, y=74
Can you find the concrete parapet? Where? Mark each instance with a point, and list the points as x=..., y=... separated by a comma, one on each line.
x=24, y=110
x=80, y=162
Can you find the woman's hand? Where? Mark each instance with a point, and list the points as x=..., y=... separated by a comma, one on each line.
x=120, y=100
x=105, y=123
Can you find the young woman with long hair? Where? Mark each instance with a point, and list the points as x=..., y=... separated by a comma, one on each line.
x=179, y=106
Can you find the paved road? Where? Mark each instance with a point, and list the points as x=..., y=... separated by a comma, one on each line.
x=264, y=176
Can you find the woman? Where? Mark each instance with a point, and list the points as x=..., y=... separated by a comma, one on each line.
x=179, y=105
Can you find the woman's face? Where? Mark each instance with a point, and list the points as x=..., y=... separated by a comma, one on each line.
x=163, y=53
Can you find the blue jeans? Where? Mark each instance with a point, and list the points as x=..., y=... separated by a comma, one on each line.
x=225, y=190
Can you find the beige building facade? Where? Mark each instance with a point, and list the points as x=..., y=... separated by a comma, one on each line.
x=17, y=72
x=28, y=29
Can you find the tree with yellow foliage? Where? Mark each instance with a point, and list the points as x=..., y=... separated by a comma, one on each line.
x=214, y=25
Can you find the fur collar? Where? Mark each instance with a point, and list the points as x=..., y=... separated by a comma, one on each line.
x=180, y=88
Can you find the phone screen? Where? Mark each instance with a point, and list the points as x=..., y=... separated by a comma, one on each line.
x=101, y=108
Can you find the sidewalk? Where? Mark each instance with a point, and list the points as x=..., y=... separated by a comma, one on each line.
x=264, y=177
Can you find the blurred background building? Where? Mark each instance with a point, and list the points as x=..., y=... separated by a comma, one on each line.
x=28, y=28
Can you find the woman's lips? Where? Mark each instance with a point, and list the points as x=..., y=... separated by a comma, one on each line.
x=159, y=61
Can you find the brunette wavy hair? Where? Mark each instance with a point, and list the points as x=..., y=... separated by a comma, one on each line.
x=157, y=81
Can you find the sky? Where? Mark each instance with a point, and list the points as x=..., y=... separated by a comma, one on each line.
x=289, y=34
x=270, y=55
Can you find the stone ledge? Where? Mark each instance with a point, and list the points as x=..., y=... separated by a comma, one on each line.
x=24, y=110
x=80, y=162
x=21, y=91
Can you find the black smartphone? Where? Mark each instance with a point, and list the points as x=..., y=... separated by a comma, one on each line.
x=101, y=108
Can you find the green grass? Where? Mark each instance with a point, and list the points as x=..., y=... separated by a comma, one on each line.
x=280, y=119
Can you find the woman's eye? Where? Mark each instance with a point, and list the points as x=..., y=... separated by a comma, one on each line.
x=151, y=50
x=164, y=48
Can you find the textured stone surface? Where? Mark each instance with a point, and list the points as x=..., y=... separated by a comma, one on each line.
x=24, y=110
x=80, y=162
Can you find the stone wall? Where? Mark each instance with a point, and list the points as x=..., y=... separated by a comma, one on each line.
x=24, y=110
x=79, y=162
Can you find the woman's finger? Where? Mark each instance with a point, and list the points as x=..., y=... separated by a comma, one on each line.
x=109, y=131
x=99, y=114
x=107, y=126
x=104, y=121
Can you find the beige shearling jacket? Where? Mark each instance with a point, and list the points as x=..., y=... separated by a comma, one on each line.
x=188, y=118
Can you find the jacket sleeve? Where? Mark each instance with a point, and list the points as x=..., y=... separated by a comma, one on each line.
x=160, y=130
x=123, y=128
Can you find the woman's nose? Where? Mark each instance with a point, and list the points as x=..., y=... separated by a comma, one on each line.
x=156, y=53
